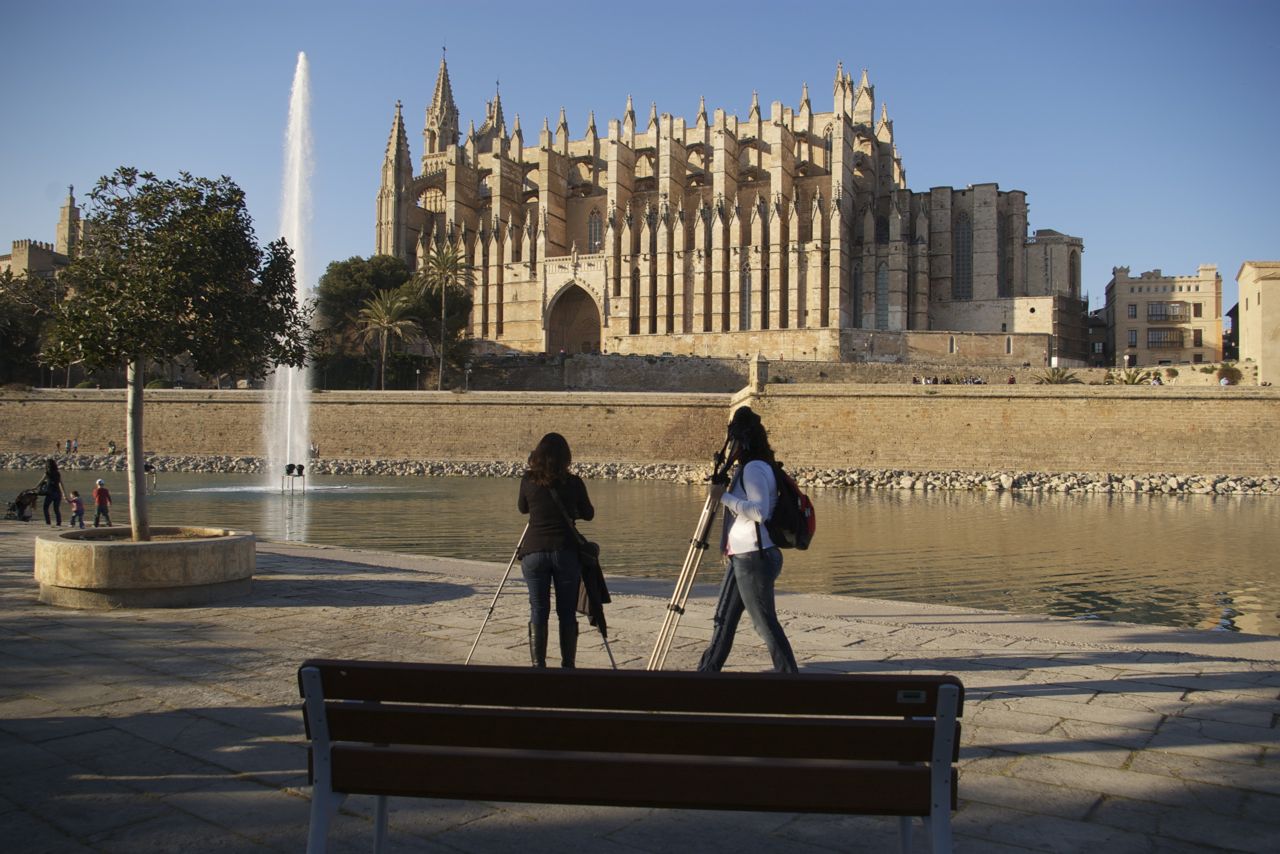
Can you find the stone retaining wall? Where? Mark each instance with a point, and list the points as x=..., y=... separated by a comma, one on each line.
x=1128, y=431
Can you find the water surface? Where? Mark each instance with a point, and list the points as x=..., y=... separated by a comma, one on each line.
x=1201, y=561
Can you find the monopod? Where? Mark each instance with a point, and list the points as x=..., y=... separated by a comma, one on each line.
x=494, y=603
x=724, y=458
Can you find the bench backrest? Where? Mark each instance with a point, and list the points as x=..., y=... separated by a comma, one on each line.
x=803, y=716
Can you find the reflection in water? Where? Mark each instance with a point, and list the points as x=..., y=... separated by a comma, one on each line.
x=1205, y=561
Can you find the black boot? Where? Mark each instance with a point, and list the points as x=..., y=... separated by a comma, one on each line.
x=568, y=644
x=538, y=644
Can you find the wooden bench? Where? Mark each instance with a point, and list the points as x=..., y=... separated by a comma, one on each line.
x=809, y=743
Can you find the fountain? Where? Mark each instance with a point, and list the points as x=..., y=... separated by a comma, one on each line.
x=287, y=419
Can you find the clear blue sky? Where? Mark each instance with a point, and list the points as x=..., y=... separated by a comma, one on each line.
x=1150, y=129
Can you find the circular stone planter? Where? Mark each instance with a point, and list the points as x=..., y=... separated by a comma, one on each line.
x=104, y=568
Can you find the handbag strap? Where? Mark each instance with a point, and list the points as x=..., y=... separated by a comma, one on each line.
x=577, y=535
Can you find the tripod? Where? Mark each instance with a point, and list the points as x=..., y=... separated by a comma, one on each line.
x=494, y=603
x=724, y=458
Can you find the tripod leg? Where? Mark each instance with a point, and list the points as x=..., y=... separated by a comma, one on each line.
x=498, y=593
x=684, y=584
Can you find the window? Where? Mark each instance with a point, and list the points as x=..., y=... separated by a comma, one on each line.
x=1133, y=338
x=882, y=229
x=1133, y=311
x=857, y=295
x=1097, y=347
x=882, y=296
x=1197, y=310
x=1198, y=357
x=951, y=344
x=1197, y=338
x=744, y=298
x=962, y=284
x=1164, y=339
x=826, y=149
x=1166, y=312
x=1008, y=345
x=595, y=232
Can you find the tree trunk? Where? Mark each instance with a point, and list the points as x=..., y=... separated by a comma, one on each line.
x=440, y=378
x=133, y=447
x=382, y=382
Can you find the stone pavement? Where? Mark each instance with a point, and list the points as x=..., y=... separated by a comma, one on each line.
x=168, y=730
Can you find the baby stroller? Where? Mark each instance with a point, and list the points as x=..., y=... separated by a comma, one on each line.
x=23, y=507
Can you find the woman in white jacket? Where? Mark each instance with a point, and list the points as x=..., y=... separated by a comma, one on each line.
x=754, y=562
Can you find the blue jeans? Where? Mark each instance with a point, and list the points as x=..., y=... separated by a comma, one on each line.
x=748, y=585
x=540, y=570
x=53, y=499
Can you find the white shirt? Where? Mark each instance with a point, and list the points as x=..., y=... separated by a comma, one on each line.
x=751, y=500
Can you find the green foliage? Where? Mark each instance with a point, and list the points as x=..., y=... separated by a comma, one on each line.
x=347, y=285
x=386, y=316
x=1229, y=372
x=1057, y=376
x=27, y=305
x=159, y=383
x=1129, y=376
x=1171, y=373
x=172, y=267
x=444, y=280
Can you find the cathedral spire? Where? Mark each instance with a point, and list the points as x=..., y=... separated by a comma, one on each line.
x=701, y=120
x=629, y=121
x=754, y=115
x=398, y=142
x=441, y=129
x=653, y=115
x=839, y=81
x=591, y=124
x=804, y=96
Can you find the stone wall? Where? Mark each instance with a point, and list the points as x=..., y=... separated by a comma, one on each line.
x=1113, y=429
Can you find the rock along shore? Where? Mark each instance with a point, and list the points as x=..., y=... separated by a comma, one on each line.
x=1000, y=481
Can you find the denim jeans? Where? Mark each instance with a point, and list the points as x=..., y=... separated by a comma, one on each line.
x=540, y=570
x=54, y=500
x=748, y=585
x=102, y=513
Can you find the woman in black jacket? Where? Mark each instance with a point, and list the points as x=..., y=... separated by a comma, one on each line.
x=549, y=553
x=52, y=491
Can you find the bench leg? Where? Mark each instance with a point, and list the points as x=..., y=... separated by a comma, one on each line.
x=939, y=830
x=324, y=806
x=904, y=834
x=380, y=826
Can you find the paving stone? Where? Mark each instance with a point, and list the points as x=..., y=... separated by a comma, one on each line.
x=1027, y=795
x=992, y=824
x=1154, y=787
x=1234, y=775
x=1238, y=834
x=30, y=835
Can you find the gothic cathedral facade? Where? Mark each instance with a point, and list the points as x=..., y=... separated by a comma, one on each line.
x=793, y=235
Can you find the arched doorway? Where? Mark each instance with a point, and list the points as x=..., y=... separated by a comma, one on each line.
x=573, y=324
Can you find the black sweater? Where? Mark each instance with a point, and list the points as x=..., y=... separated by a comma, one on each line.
x=548, y=531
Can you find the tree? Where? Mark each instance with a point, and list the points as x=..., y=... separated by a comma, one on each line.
x=445, y=279
x=1057, y=376
x=27, y=305
x=341, y=292
x=171, y=268
x=384, y=316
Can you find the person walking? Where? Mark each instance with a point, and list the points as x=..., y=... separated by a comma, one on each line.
x=549, y=552
x=101, y=503
x=77, y=509
x=754, y=562
x=52, y=484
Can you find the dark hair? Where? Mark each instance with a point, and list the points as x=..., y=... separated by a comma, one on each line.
x=549, y=462
x=50, y=467
x=753, y=440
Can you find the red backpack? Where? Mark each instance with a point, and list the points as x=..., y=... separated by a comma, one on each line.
x=793, y=521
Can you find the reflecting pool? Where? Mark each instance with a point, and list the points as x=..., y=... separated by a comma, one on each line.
x=1200, y=561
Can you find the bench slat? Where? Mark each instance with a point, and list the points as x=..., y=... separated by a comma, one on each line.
x=633, y=690
x=646, y=781
x=632, y=732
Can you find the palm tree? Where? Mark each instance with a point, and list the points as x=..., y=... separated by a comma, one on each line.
x=444, y=267
x=386, y=315
x=1057, y=376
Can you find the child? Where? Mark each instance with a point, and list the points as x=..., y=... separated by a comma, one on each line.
x=77, y=509
x=101, y=503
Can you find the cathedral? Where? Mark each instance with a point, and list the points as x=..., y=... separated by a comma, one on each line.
x=791, y=233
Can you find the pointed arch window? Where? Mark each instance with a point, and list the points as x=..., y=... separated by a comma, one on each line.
x=826, y=148
x=882, y=229
x=744, y=298
x=633, y=310
x=595, y=232
x=962, y=281
x=857, y=295
x=882, y=296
